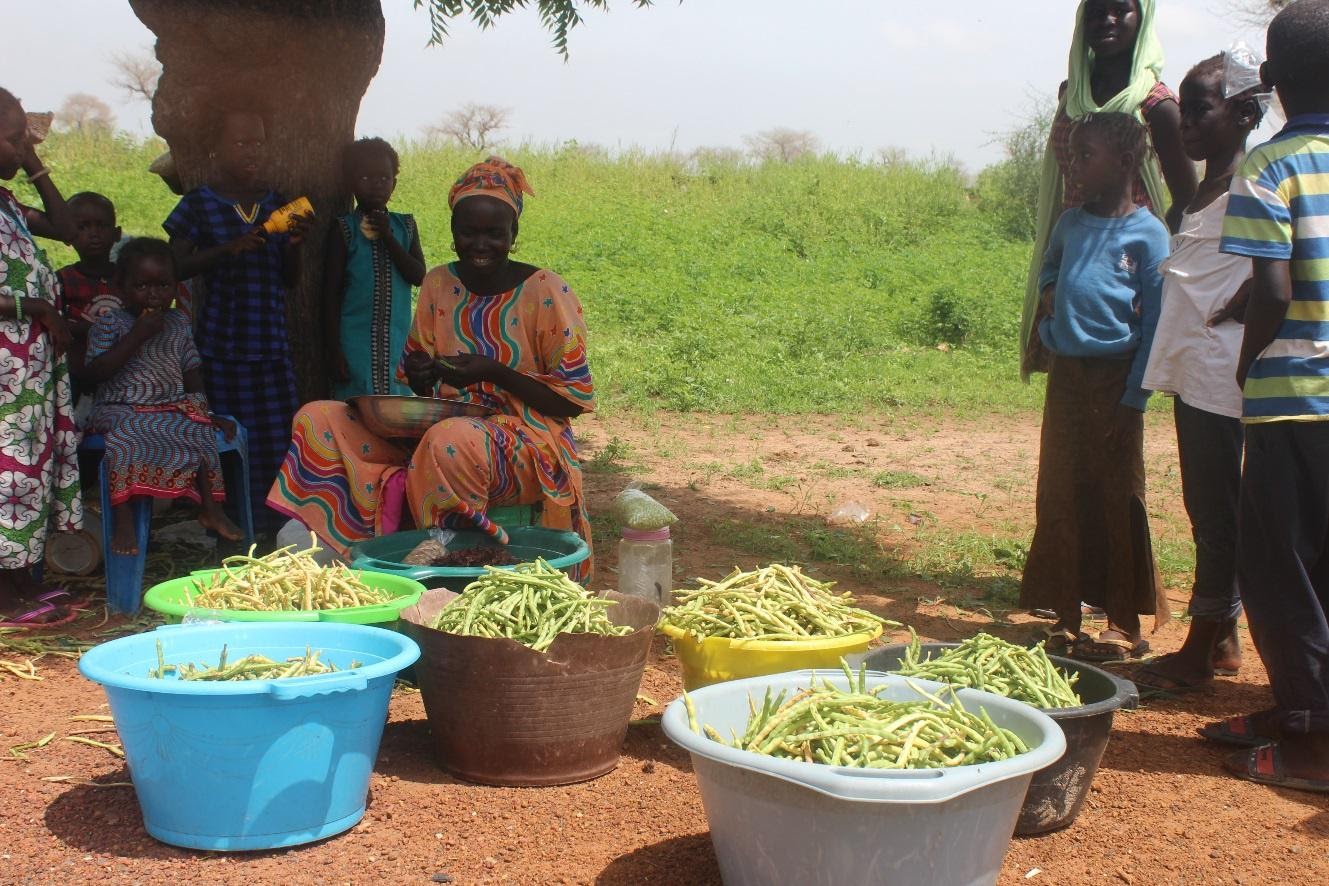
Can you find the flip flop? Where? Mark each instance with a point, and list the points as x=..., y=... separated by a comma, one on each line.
x=1241, y=732
x=1089, y=610
x=1264, y=765
x=33, y=619
x=1110, y=649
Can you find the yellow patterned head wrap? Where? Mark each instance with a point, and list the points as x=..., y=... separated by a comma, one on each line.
x=496, y=178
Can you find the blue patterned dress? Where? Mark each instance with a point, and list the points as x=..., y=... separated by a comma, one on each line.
x=242, y=332
x=157, y=436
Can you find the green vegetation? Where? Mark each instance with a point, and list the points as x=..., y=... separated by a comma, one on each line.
x=823, y=285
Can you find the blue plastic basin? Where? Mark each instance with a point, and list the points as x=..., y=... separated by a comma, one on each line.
x=257, y=764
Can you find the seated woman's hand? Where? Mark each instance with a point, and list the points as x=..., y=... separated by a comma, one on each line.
x=463, y=370
x=421, y=372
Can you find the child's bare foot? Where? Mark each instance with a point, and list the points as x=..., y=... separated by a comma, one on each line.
x=215, y=519
x=123, y=539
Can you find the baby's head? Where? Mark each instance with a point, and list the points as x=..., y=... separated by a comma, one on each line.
x=95, y=230
x=1297, y=47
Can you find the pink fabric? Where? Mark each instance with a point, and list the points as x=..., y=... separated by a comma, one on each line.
x=394, y=503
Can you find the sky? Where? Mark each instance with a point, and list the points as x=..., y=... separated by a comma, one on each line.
x=942, y=78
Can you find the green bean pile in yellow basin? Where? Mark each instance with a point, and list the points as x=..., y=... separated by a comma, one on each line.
x=857, y=728
x=286, y=580
x=775, y=602
x=531, y=603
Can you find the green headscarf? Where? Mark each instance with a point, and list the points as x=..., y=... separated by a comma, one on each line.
x=1078, y=101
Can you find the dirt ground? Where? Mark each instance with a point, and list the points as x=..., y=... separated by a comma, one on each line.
x=1161, y=809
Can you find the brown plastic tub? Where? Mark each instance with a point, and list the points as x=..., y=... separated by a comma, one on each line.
x=504, y=714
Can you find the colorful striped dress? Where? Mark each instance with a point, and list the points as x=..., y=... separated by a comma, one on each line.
x=338, y=476
x=157, y=436
x=39, y=490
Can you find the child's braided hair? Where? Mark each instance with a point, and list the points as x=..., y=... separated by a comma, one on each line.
x=1122, y=132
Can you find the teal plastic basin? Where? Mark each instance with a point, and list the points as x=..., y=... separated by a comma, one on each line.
x=257, y=764
x=385, y=554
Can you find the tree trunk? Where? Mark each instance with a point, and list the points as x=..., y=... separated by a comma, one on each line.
x=311, y=62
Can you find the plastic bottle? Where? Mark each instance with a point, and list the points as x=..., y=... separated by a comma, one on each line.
x=646, y=564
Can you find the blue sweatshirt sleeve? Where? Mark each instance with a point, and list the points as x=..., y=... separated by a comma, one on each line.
x=1052, y=256
x=1151, y=305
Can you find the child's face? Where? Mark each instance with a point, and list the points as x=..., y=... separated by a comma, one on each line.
x=240, y=148
x=95, y=232
x=483, y=229
x=13, y=140
x=1210, y=124
x=373, y=181
x=1095, y=167
x=1111, y=26
x=150, y=283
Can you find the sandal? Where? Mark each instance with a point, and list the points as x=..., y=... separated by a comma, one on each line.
x=1264, y=765
x=1251, y=731
x=1108, y=649
x=1056, y=641
x=35, y=619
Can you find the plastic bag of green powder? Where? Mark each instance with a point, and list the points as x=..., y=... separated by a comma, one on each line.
x=637, y=510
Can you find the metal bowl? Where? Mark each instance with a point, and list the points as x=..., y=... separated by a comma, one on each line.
x=407, y=418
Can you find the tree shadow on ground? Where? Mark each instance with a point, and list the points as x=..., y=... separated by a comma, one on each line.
x=661, y=862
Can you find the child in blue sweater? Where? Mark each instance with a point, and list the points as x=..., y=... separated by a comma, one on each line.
x=1101, y=289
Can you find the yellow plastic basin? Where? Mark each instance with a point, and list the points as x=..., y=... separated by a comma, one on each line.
x=716, y=659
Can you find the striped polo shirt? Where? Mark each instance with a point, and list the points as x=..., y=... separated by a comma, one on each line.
x=1279, y=209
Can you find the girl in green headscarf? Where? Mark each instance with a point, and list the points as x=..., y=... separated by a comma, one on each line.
x=1115, y=62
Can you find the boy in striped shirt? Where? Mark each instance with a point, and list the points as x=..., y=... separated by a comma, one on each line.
x=1278, y=215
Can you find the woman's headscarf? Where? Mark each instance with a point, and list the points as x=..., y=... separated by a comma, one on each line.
x=1078, y=101
x=496, y=178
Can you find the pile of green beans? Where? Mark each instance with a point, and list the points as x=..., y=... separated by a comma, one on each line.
x=857, y=728
x=285, y=580
x=991, y=664
x=531, y=603
x=251, y=667
x=773, y=603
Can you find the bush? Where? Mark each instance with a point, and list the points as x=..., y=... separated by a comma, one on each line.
x=1008, y=191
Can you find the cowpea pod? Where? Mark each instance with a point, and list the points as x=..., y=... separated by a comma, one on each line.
x=285, y=580
x=776, y=602
x=994, y=665
x=532, y=604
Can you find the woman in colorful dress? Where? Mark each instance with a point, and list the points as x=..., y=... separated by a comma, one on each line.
x=39, y=490
x=150, y=405
x=498, y=333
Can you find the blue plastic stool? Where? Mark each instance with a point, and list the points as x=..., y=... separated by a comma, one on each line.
x=124, y=572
